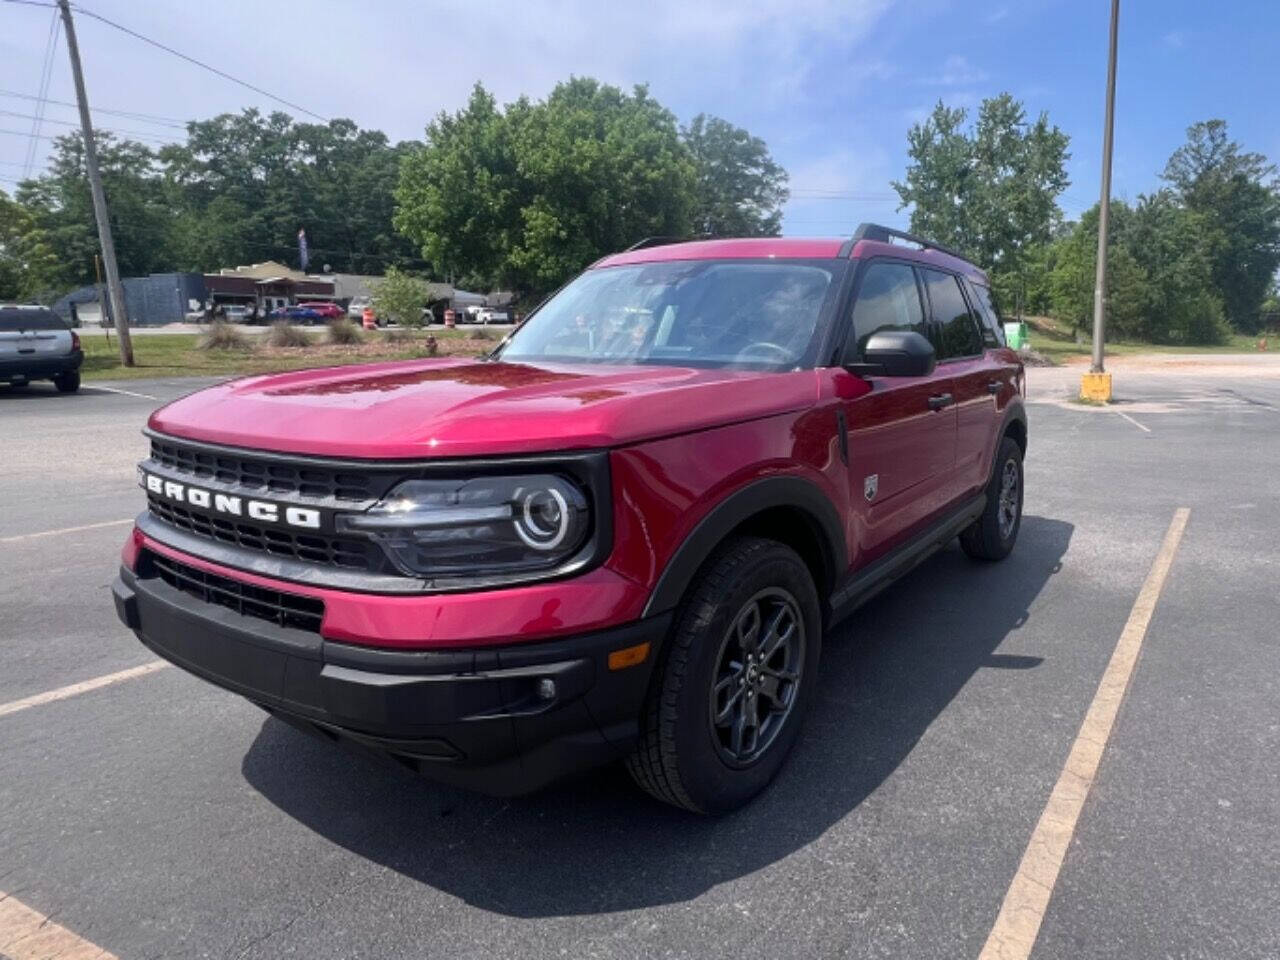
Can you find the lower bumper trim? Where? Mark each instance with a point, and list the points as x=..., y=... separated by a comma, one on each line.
x=503, y=720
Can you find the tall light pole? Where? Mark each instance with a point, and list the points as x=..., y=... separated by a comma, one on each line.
x=1097, y=381
x=114, y=290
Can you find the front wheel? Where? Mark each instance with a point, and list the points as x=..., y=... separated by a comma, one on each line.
x=734, y=682
x=992, y=535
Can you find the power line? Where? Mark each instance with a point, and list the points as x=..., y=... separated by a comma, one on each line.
x=193, y=60
x=68, y=123
x=126, y=114
x=46, y=73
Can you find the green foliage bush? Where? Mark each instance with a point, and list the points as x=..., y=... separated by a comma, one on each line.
x=400, y=297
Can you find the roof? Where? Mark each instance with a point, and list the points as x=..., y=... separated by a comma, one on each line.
x=791, y=248
x=744, y=248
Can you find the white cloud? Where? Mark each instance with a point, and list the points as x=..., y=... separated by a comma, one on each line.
x=956, y=71
x=1174, y=39
x=998, y=14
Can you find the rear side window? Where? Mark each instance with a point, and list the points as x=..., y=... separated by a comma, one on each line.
x=955, y=329
x=20, y=318
x=888, y=299
x=992, y=332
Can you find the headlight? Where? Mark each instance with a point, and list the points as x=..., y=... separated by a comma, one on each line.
x=485, y=525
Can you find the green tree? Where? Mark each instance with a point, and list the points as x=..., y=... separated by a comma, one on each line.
x=1174, y=245
x=459, y=197
x=29, y=268
x=61, y=205
x=1071, y=280
x=400, y=297
x=1237, y=195
x=243, y=184
x=740, y=189
x=528, y=195
x=989, y=191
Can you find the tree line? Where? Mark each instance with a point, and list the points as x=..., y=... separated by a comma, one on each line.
x=521, y=196
x=1187, y=263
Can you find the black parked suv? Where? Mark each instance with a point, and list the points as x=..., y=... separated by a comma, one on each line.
x=35, y=344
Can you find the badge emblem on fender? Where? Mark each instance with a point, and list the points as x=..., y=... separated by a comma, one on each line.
x=871, y=485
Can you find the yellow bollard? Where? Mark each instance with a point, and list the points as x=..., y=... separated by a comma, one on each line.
x=1096, y=387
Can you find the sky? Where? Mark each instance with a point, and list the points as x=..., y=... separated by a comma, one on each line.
x=831, y=85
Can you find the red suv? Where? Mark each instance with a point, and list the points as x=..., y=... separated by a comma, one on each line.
x=621, y=535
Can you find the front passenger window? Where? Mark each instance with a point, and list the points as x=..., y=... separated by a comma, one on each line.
x=888, y=299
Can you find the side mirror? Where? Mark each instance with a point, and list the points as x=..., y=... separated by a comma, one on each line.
x=896, y=353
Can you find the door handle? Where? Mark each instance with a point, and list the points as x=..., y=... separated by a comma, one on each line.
x=940, y=401
x=995, y=386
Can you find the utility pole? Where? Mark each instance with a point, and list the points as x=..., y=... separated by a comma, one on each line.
x=114, y=290
x=1097, y=383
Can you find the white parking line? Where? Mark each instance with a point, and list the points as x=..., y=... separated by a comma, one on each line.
x=61, y=530
x=127, y=393
x=27, y=934
x=1133, y=421
x=84, y=686
x=1018, y=923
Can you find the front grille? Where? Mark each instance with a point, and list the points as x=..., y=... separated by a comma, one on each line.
x=282, y=609
x=309, y=548
x=265, y=476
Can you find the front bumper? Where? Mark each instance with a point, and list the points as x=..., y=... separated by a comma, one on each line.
x=478, y=718
x=35, y=367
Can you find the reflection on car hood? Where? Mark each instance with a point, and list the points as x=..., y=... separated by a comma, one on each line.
x=452, y=408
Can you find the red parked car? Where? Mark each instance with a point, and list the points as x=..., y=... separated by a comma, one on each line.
x=621, y=536
x=328, y=311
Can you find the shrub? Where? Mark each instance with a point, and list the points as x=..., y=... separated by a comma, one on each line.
x=400, y=297
x=284, y=334
x=223, y=336
x=344, y=332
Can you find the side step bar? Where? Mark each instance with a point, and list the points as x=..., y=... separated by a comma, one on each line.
x=857, y=589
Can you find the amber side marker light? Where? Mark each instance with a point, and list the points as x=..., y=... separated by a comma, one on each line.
x=628, y=656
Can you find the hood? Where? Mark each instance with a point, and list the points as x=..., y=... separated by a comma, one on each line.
x=470, y=408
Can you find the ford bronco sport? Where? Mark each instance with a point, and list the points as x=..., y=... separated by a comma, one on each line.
x=621, y=535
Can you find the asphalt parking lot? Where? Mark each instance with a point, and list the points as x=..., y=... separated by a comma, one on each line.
x=158, y=816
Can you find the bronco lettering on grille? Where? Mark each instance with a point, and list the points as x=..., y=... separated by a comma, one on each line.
x=261, y=510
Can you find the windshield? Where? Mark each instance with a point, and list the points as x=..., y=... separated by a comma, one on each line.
x=706, y=313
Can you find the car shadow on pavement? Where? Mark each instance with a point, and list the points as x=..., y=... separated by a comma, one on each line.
x=597, y=844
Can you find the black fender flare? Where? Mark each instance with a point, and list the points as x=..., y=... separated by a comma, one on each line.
x=794, y=493
x=1016, y=412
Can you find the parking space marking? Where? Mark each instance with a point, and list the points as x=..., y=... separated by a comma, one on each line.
x=84, y=686
x=127, y=393
x=1133, y=421
x=1018, y=923
x=61, y=530
x=27, y=934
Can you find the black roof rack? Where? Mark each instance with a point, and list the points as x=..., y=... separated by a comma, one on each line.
x=874, y=231
x=656, y=242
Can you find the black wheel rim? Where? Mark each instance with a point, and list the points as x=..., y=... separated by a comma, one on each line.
x=757, y=678
x=1010, y=499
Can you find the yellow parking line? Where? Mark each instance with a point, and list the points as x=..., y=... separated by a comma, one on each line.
x=1018, y=923
x=26, y=934
x=54, y=533
x=84, y=686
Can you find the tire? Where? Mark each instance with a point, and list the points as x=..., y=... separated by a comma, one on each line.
x=992, y=535
x=684, y=757
x=68, y=382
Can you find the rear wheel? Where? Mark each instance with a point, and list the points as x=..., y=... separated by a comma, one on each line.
x=992, y=535
x=732, y=688
x=68, y=382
